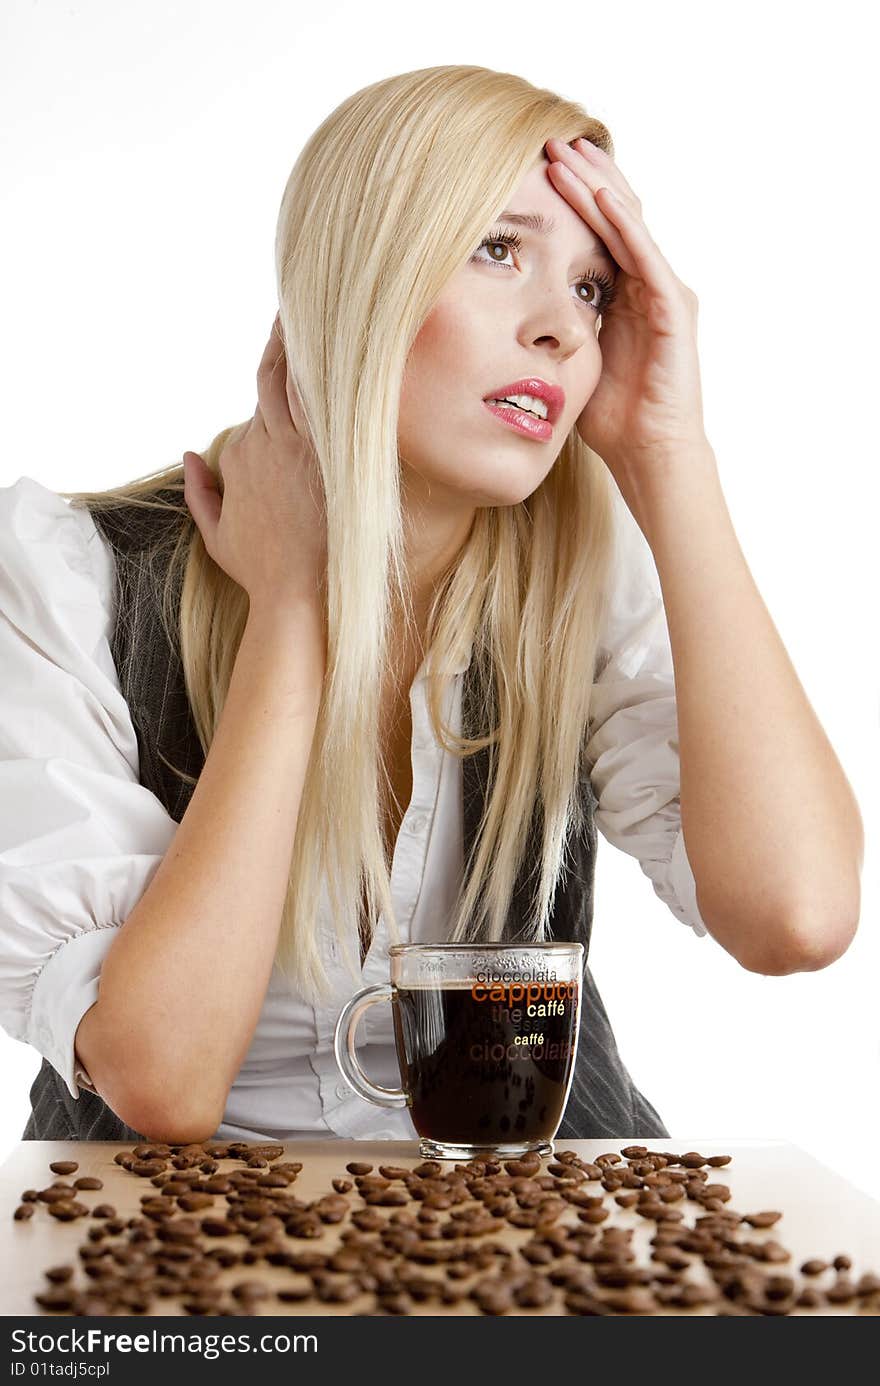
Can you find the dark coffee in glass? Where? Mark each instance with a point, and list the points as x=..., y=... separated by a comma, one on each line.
x=486, y=1042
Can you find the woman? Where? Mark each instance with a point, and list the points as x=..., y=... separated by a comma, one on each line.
x=387, y=592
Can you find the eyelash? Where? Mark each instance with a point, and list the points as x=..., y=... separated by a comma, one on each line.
x=605, y=282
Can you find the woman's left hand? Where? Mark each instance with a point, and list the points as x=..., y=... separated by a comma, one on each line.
x=647, y=406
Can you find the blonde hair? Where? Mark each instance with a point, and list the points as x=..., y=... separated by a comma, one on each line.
x=385, y=202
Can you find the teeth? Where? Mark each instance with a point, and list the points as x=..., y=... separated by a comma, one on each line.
x=529, y=403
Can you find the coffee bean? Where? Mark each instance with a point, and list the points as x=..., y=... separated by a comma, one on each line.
x=145, y=1169
x=691, y=1294
x=55, y=1194
x=809, y=1298
x=372, y=1183
x=218, y=1184
x=719, y=1191
x=437, y=1200
x=394, y=1302
x=87, y=1183
x=583, y=1302
x=60, y=1298
x=294, y=1291
x=493, y=1297
x=250, y=1290
x=192, y=1202
x=64, y=1167
x=65, y=1212
x=304, y=1225
x=778, y=1286
x=358, y=1167
x=761, y=1219
x=23, y=1212
x=842, y=1291
x=671, y=1193
x=534, y=1292
x=591, y=1171
x=594, y=1215
x=428, y=1169
x=842, y=1263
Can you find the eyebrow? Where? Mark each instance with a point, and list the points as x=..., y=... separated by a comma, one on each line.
x=544, y=226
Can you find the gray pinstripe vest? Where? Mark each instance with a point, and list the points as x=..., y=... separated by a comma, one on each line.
x=603, y=1100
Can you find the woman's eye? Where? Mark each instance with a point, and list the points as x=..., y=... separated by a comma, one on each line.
x=601, y=287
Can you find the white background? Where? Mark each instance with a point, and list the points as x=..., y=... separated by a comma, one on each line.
x=145, y=151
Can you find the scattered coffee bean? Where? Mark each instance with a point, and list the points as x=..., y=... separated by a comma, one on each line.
x=66, y=1212
x=842, y=1291
x=432, y=1215
x=809, y=1298
x=761, y=1219
x=64, y=1167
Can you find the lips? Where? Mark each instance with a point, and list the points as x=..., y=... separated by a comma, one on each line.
x=552, y=395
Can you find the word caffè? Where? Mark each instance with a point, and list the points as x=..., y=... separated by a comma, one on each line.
x=511, y=1001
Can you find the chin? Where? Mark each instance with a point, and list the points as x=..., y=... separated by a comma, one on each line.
x=506, y=481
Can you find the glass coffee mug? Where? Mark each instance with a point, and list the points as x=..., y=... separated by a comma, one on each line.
x=486, y=1038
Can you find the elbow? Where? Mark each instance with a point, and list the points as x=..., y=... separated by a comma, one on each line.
x=160, y=1120
x=160, y=1104
x=802, y=944
x=803, y=939
x=176, y=1131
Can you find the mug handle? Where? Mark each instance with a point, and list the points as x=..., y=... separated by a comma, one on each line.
x=346, y=1054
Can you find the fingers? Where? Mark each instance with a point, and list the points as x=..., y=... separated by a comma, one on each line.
x=650, y=264
x=577, y=180
x=611, y=170
x=294, y=403
x=201, y=495
x=271, y=391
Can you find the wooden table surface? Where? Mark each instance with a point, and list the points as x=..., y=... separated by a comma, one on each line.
x=823, y=1215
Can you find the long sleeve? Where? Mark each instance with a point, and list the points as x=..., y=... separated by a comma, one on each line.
x=633, y=744
x=80, y=837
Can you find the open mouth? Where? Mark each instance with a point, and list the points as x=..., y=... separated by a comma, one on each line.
x=523, y=420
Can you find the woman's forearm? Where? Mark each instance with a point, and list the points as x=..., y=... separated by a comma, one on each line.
x=771, y=825
x=183, y=984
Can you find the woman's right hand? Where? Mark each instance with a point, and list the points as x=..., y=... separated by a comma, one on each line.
x=267, y=528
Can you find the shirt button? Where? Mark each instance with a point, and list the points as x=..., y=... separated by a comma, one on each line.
x=342, y=1092
x=418, y=823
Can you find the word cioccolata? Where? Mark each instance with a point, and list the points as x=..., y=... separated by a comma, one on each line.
x=488, y=976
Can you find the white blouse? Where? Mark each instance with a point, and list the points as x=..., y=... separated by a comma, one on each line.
x=81, y=838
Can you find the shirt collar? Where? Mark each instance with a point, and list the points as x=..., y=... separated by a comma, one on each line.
x=457, y=668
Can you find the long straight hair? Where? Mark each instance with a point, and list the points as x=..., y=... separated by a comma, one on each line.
x=385, y=202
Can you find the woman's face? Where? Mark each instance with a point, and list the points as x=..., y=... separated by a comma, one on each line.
x=511, y=312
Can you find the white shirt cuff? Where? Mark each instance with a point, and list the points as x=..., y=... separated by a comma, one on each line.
x=681, y=879
x=65, y=989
